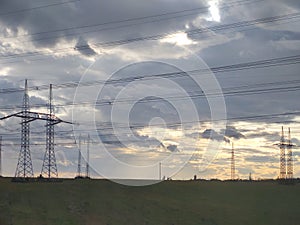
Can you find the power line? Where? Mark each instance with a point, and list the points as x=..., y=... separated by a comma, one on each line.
x=161, y=36
x=108, y=126
x=200, y=30
x=192, y=95
x=35, y=8
x=202, y=10
x=265, y=63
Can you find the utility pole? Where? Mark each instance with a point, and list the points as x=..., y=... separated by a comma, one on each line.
x=282, y=145
x=88, y=157
x=24, y=166
x=232, y=163
x=49, y=168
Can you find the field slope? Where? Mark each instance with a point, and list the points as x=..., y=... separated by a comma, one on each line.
x=103, y=202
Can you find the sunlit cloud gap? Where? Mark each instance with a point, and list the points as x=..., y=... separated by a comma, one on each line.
x=214, y=11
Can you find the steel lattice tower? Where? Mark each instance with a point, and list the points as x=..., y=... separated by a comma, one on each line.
x=49, y=168
x=232, y=164
x=282, y=145
x=87, y=173
x=24, y=166
x=289, y=157
x=79, y=158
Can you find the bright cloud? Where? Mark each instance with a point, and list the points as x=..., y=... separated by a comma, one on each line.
x=179, y=38
x=214, y=11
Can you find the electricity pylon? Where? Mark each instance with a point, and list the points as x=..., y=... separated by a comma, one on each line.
x=24, y=166
x=232, y=163
x=282, y=145
x=49, y=168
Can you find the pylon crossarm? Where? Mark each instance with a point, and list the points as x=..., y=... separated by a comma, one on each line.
x=9, y=116
x=31, y=116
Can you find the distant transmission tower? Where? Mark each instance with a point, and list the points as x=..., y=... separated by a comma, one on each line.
x=88, y=157
x=282, y=145
x=289, y=157
x=232, y=163
x=49, y=168
x=79, y=158
x=24, y=166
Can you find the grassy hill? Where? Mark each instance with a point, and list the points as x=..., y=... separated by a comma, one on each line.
x=103, y=202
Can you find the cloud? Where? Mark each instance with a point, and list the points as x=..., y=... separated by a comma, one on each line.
x=269, y=136
x=232, y=132
x=261, y=159
x=173, y=148
x=213, y=135
x=295, y=141
x=229, y=132
x=84, y=48
x=208, y=133
x=214, y=48
x=147, y=141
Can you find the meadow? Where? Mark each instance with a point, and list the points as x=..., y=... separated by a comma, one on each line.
x=102, y=202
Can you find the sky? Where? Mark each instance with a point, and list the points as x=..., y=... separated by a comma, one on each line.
x=162, y=87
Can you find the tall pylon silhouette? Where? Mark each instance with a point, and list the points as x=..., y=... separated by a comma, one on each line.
x=24, y=166
x=79, y=158
x=282, y=145
x=49, y=168
x=87, y=171
x=232, y=163
x=289, y=157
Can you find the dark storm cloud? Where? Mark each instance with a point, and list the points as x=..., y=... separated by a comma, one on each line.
x=89, y=15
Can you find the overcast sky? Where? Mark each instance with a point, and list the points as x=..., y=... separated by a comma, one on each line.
x=145, y=79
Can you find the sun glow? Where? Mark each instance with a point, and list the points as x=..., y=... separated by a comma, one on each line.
x=180, y=38
x=214, y=11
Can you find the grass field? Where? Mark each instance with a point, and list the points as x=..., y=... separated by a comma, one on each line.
x=103, y=202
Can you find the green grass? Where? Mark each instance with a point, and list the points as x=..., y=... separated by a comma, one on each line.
x=103, y=202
